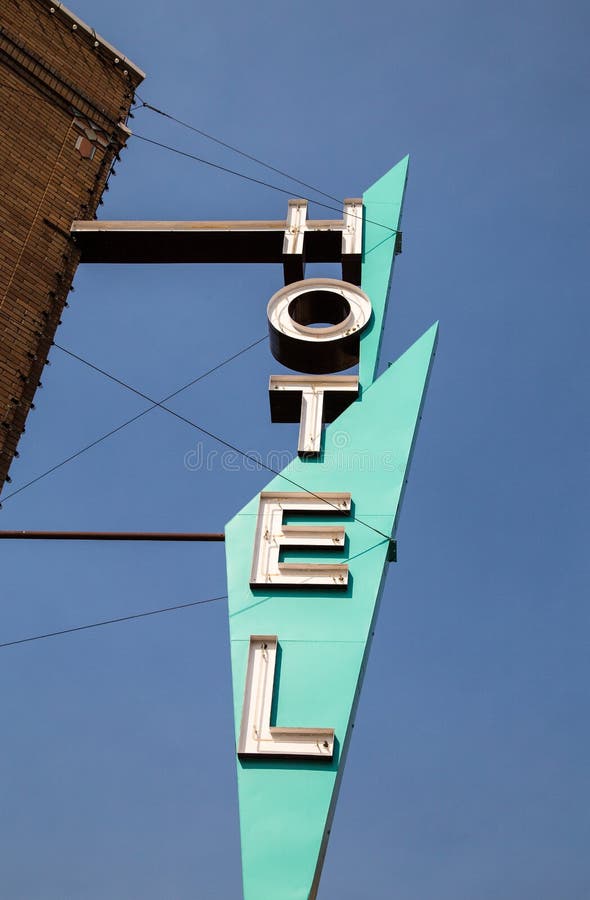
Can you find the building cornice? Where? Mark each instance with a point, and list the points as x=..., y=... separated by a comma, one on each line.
x=98, y=43
x=39, y=75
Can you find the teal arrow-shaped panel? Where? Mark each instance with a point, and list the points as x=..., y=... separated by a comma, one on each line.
x=287, y=805
x=383, y=206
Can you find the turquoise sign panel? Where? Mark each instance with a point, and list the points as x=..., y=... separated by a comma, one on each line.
x=383, y=207
x=323, y=636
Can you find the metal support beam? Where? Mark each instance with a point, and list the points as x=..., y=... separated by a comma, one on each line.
x=292, y=241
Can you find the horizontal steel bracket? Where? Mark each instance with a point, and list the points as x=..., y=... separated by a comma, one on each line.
x=291, y=242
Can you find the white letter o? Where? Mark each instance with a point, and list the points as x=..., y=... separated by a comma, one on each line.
x=295, y=309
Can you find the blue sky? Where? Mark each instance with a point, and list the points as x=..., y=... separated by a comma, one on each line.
x=117, y=750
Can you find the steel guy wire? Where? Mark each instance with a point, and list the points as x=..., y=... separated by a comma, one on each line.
x=130, y=421
x=141, y=615
x=274, y=187
x=210, y=137
x=211, y=434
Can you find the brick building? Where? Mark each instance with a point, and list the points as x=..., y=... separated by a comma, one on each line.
x=65, y=95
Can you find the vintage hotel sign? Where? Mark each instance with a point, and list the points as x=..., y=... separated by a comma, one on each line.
x=306, y=557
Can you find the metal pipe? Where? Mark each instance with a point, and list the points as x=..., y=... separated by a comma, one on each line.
x=112, y=536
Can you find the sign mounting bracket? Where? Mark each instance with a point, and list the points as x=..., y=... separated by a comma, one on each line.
x=291, y=242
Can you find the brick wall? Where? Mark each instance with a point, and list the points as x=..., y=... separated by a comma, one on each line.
x=64, y=96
